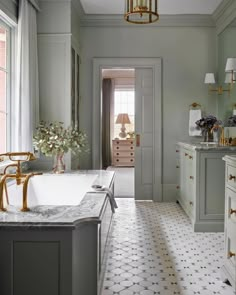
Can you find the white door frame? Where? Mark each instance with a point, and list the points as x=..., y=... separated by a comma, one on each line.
x=128, y=62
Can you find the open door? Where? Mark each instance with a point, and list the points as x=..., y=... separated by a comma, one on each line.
x=144, y=130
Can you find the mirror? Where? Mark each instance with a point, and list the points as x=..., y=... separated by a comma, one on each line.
x=226, y=48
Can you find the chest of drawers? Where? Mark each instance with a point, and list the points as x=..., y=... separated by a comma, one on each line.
x=123, y=152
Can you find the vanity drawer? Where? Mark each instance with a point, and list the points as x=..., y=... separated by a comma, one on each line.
x=122, y=161
x=230, y=213
x=230, y=248
x=123, y=142
x=231, y=176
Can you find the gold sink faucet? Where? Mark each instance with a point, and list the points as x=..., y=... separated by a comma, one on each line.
x=21, y=178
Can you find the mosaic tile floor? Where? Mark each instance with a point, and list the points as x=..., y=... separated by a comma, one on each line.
x=155, y=251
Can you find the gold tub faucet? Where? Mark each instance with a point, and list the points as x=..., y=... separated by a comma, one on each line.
x=21, y=178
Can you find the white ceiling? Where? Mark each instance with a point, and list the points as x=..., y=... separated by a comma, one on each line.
x=165, y=6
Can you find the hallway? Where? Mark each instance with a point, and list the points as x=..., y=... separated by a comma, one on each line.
x=155, y=251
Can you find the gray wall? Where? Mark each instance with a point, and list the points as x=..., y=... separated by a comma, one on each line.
x=9, y=7
x=187, y=53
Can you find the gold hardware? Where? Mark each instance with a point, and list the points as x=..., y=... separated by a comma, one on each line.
x=177, y=166
x=186, y=154
x=177, y=187
x=190, y=157
x=177, y=151
x=219, y=89
x=231, y=254
x=21, y=178
x=137, y=139
x=191, y=203
x=194, y=105
x=232, y=211
x=191, y=177
x=231, y=177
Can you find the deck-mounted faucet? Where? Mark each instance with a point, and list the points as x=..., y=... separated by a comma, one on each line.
x=21, y=178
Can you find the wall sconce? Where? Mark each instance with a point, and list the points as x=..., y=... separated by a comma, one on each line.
x=210, y=79
x=231, y=68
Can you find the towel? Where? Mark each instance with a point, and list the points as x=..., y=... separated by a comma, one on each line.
x=102, y=189
x=194, y=115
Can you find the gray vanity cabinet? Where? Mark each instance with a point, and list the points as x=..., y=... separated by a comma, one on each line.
x=201, y=188
x=229, y=267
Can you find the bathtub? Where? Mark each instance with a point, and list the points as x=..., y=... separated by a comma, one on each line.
x=65, y=252
x=53, y=190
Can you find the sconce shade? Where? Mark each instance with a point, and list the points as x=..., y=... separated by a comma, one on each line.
x=228, y=78
x=141, y=11
x=230, y=64
x=210, y=78
x=123, y=118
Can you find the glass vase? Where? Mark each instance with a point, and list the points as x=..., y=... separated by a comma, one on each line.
x=207, y=135
x=59, y=163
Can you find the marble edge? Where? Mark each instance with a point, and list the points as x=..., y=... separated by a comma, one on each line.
x=198, y=146
x=230, y=158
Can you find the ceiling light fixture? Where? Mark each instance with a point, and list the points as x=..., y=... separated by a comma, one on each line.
x=141, y=11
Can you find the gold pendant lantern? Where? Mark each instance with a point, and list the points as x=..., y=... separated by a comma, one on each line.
x=141, y=11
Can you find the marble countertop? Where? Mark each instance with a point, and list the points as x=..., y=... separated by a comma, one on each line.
x=206, y=146
x=89, y=209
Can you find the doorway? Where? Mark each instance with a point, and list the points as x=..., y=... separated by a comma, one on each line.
x=149, y=188
x=118, y=126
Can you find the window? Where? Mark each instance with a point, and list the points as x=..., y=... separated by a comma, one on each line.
x=4, y=86
x=124, y=103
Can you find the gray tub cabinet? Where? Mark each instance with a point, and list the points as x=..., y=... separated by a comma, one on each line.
x=200, y=187
x=55, y=250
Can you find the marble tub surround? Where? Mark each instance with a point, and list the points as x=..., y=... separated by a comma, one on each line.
x=70, y=241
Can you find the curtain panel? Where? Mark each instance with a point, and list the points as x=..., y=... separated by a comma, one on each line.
x=107, y=120
x=27, y=89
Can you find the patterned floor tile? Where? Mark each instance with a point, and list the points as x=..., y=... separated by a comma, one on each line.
x=155, y=251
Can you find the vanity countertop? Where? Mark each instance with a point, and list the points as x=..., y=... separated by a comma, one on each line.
x=206, y=146
x=89, y=209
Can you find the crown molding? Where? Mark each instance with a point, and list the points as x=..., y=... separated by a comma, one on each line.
x=224, y=15
x=189, y=20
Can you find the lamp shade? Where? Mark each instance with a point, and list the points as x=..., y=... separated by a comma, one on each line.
x=123, y=118
x=230, y=64
x=210, y=78
x=228, y=78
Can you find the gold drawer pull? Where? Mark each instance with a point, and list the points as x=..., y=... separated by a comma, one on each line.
x=191, y=177
x=190, y=157
x=186, y=154
x=191, y=203
x=232, y=211
x=231, y=177
x=231, y=254
x=177, y=186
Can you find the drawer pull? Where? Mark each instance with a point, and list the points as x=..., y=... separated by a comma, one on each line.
x=177, y=151
x=191, y=203
x=232, y=211
x=186, y=154
x=190, y=157
x=177, y=166
x=131, y=154
x=177, y=186
x=117, y=154
x=131, y=142
x=131, y=147
x=231, y=254
x=131, y=160
x=231, y=177
x=117, y=142
x=117, y=160
x=191, y=177
x=117, y=147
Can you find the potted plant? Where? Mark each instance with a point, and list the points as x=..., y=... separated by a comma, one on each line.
x=206, y=124
x=53, y=139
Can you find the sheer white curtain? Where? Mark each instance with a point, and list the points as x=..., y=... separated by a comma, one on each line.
x=27, y=90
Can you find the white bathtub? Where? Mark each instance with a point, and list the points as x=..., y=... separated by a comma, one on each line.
x=53, y=189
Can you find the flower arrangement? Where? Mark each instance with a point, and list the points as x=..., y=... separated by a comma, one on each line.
x=231, y=121
x=53, y=139
x=208, y=122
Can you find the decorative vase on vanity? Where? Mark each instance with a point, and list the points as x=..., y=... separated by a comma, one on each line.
x=207, y=135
